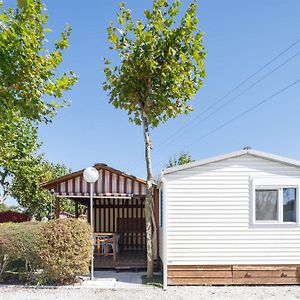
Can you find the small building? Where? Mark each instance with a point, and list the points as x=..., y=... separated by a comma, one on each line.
x=118, y=209
x=231, y=219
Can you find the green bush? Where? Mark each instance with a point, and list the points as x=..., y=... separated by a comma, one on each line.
x=67, y=249
x=60, y=248
x=20, y=241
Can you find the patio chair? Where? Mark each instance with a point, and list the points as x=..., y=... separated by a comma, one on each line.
x=100, y=243
x=110, y=244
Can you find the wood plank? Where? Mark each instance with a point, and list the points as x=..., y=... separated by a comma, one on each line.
x=266, y=280
x=200, y=267
x=200, y=274
x=103, y=181
x=118, y=188
x=133, y=241
x=199, y=281
x=104, y=216
x=114, y=216
x=265, y=267
x=129, y=217
x=263, y=274
x=109, y=228
x=125, y=185
x=110, y=182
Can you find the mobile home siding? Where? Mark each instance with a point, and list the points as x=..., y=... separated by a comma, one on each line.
x=208, y=216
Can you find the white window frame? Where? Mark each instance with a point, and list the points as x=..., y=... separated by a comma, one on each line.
x=161, y=205
x=278, y=184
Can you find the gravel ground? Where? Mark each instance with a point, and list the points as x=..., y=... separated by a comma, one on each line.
x=200, y=292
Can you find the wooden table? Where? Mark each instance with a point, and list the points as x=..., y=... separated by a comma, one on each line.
x=105, y=237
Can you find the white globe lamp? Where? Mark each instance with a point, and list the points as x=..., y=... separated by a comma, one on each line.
x=90, y=175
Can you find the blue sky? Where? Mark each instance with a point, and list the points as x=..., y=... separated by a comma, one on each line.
x=240, y=37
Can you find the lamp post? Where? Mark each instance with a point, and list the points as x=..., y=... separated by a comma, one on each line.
x=91, y=175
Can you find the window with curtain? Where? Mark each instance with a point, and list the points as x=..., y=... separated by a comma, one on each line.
x=276, y=204
x=266, y=205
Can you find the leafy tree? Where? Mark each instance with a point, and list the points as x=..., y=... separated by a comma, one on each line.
x=162, y=67
x=27, y=69
x=26, y=188
x=184, y=158
x=18, y=140
x=28, y=76
x=22, y=170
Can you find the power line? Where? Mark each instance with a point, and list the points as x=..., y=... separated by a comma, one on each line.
x=229, y=101
x=227, y=94
x=245, y=112
x=242, y=114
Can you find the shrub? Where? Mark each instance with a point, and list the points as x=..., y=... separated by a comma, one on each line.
x=61, y=248
x=67, y=249
x=20, y=241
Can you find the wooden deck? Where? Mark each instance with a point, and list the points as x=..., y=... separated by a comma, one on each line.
x=130, y=259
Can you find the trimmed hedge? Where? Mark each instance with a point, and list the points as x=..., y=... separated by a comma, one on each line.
x=67, y=249
x=20, y=241
x=60, y=248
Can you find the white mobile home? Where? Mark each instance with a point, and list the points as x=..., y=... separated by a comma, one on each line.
x=232, y=219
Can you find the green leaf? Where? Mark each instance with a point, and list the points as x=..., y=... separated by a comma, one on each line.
x=113, y=39
x=23, y=4
x=147, y=14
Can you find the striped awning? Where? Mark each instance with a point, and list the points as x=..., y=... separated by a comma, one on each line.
x=98, y=195
x=112, y=183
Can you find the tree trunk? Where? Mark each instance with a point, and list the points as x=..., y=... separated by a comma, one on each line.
x=5, y=185
x=149, y=198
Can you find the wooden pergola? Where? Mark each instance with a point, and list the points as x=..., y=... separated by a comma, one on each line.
x=118, y=203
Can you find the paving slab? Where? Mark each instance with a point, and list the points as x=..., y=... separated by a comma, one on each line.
x=128, y=280
x=102, y=283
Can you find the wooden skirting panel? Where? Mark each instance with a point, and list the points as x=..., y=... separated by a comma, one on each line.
x=233, y=274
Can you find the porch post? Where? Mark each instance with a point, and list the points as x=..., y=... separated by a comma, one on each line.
x=57, y=207
x=76, y=209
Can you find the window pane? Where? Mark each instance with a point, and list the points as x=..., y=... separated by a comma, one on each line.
x=161, y=208
x=266, y=203
x=289, y=205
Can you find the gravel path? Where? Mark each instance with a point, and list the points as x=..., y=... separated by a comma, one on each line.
x=200, y=292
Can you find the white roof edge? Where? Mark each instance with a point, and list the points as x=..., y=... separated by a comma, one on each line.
x=253, y=152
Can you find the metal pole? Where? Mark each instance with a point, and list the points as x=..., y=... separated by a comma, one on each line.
x=92, y=224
